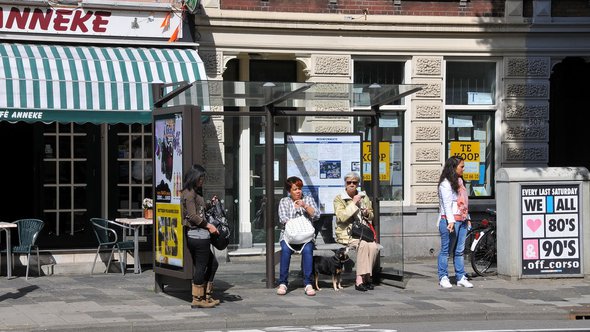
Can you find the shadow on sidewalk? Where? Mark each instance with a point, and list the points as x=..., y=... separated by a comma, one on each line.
x=220, y=292
x=19, y=293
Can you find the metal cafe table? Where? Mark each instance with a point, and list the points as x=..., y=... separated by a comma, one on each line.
x=6, y=226
x=135, y=223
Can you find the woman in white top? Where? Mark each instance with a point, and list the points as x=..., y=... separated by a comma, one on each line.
x=453, y=221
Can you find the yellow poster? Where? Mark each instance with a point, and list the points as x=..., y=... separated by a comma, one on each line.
x=384, y=162
x=469, y=151
x=169, y=236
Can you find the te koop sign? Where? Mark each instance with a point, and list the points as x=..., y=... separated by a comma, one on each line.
x=470, y=152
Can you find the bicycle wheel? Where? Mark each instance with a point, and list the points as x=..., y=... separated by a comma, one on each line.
x=483, y=257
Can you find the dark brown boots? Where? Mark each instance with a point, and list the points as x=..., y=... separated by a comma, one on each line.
x=199, y=299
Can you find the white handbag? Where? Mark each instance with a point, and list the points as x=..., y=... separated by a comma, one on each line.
x=298, y=230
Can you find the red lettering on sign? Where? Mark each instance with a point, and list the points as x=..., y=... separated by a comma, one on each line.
x=61, y=19
x=99, y=24
x=21, y=19
x=79, y=21
x=40, y=18
x=76, y=20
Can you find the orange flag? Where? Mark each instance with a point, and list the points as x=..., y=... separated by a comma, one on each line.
x=166, y=22
x=174, y=36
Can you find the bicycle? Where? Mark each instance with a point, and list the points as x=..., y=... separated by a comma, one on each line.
x=476, y=228
x=483, y=247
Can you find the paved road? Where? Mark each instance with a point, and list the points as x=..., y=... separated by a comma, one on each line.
x=127, y=303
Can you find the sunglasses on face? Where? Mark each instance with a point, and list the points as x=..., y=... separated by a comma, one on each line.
x=352, y=182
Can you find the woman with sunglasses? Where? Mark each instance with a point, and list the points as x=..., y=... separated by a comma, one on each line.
x=349, y=206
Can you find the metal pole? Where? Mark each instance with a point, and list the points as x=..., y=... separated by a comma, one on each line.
x=270, y=197
x=375, y=139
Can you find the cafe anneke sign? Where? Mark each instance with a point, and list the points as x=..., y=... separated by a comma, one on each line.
x=87, y=22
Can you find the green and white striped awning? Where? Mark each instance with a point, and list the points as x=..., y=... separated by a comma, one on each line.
x=87, y=84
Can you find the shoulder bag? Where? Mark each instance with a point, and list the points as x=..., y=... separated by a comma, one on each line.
x=298, y=231
x=361, y=231
x=216, y=216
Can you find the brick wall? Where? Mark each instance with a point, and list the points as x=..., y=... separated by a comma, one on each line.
x=477, y=8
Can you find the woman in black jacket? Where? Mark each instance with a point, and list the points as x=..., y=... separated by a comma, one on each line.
x=199, y=237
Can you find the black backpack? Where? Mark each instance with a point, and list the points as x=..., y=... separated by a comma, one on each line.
x=215, y=215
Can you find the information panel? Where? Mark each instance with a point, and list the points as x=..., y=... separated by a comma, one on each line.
x=322, y=161
x=550, y=229
x=168, y=176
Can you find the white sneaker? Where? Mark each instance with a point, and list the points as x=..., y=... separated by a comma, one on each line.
x=445, y=283
x=464, y=283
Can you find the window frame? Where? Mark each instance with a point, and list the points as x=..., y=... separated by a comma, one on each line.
x=477, y=109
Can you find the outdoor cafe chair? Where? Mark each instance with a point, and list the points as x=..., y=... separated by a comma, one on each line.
x=28, y=231
x=108, y=239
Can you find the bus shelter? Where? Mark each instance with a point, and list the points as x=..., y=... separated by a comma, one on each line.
x=178, y=114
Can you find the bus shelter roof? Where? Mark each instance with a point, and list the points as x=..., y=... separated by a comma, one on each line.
x=283, y=94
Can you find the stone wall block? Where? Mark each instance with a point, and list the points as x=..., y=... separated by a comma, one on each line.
x=328, y=106
x=213, y=130
x=331, y=65
x=427, y=66
x=426, y=174
x=537, y=153
x=425, y=195
x=525, y=131
x=528, y=67
x=426, y=152
x=212, y=62
x=424, y=110
x=212, y=154
x=526, y=109
x=432, y=88
x=215, y=177
x=340, y=128
x=427, y=132
x=528, y=89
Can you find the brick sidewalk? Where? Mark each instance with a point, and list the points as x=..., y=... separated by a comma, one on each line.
x=115, y=302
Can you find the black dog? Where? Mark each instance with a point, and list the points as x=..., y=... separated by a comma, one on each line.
x=333, y=266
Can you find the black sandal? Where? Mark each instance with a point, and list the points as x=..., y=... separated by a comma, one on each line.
x=360, y=288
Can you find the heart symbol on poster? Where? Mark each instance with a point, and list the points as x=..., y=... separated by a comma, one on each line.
x=533, y=224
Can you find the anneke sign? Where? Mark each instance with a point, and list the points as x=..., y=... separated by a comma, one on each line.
x=550, y=229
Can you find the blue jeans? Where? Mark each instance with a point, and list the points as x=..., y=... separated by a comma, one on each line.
x=451, y=241
x=307, y=263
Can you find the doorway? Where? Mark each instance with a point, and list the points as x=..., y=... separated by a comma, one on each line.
x=569, y=114
x=69, y=182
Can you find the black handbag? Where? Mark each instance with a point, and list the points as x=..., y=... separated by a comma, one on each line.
x=361, y=231
x=216, y=216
